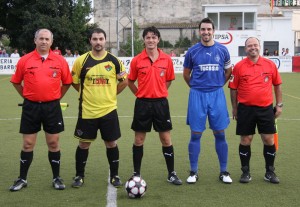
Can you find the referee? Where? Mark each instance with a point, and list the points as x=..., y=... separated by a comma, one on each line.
x=42, y=78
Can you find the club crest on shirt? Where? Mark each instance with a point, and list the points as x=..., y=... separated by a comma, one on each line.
x=108, y=67
x=54, y=74
x=266, y=79
x=162, y=73
x=217, y=58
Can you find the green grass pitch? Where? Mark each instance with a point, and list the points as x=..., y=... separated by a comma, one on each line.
x=208, y=191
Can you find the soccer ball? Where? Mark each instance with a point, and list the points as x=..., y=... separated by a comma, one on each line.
x=136, y=187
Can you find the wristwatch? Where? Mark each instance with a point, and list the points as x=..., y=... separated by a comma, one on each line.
x=279, y=105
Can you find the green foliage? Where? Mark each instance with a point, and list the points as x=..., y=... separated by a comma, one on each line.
x=126, y=49
x=164, y=44
x=5, y=40
x=67, y=19
x=183, y=43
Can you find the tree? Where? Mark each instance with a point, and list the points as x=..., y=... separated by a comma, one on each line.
x=183, y=43
x=137, y=42
x=164, y=44
x=67, y=19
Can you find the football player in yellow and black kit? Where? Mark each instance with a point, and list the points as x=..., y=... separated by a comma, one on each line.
x=98, y=76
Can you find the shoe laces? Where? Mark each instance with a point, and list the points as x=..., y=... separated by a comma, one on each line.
x=192, y=173
x=225, y=173
x=58, y=180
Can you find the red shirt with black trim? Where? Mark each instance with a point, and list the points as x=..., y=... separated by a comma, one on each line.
x=151, y=76
x=254, y=81
x=42, y=80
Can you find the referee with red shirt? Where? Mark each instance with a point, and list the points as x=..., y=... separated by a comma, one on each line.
x=154, y=71
x=42, y=78
x=251, y=94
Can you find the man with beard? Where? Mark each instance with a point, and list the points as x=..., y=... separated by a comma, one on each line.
x=207, y=67
x=98, y=76
x=252, y=105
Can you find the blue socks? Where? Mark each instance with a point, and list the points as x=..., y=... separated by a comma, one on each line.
x=222, y=150
x=194, y=151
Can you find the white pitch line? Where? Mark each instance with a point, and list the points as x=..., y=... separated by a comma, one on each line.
x=111, y=196
x=295, y=97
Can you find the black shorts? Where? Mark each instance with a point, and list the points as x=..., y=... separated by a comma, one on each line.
x=248, y=117
x=86, y=129
x=35, y=114
x=148, y=111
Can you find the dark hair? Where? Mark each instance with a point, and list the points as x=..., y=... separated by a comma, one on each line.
x=207, y=20
x=152, y=29
x=96, y=30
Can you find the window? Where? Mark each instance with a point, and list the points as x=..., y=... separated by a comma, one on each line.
x=249, y=21
x=233, y=20
x=214, y=17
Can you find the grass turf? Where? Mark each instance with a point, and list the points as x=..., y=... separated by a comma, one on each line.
x=208, y=191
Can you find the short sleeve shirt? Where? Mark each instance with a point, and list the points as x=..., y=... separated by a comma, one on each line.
x=42, y=79
x=98, y=83
x=207, y=65
x=254, y=81
x=151, y=76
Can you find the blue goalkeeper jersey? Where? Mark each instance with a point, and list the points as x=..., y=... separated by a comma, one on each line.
x=208, y=65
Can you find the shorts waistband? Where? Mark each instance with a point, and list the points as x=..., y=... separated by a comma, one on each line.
x=152, y=99
x=40, y=102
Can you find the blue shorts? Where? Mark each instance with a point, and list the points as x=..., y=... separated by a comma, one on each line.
x=207, y=104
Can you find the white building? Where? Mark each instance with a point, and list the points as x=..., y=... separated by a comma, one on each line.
x=235, y=21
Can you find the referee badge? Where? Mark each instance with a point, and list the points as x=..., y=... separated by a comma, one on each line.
x=54, y=74
x=266, y=79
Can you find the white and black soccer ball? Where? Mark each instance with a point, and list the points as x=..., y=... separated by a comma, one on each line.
x=136, y=187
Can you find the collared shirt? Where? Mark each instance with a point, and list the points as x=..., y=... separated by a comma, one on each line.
x=151, y=76
x=253, y=81
x=98, y=79
x=42, y=79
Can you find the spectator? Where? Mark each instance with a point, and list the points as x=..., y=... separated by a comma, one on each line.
x=266, y=52
x=287, y=52
x=76, y=54
x=24, y=52
x=283, y=51
x=15, y=54
x=57, y=51
x=4, y=54
x=172, y=54
x=275, y=53
x=68, y=53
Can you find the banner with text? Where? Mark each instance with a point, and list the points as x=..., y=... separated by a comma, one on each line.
x=283, y=63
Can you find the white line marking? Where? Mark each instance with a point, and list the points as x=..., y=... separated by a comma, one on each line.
x=291, y=96
x=111, y=196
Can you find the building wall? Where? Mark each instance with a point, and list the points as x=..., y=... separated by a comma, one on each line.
x=190, y=12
